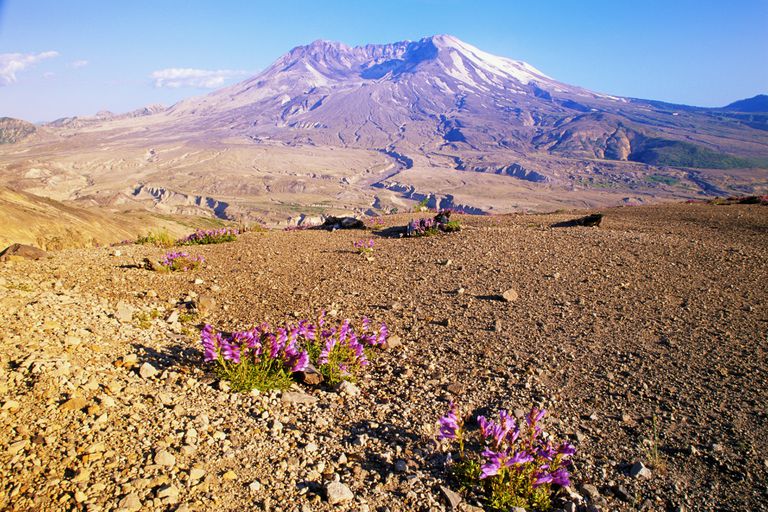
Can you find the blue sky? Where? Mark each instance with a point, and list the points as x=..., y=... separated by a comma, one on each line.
x=75, y=57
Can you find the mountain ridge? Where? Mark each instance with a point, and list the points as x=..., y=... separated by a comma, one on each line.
x=373, y=128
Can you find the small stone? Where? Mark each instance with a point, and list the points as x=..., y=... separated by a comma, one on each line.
x=205, y=304
x=165, y=458
x=124, y=312
x=147, y=371
x=311, y=447
x=310, y=376
x=454, y=498
x=199, y=281
x=510, y=295
x=621, y=492
x=349, y=389
x=638, y=470
x=337, y=492
x=129, y=360
x=401, y=466
x=16, y=447
x=169, y=491
x=254, y=487
x=229, y=476
x=295, y=397
x=173, y=317
x=75, y=403
x=224, y=386
x=392, y=342
x=130, y=503
x=117, y=252
x=590, y=491
x=196, y=474
x=11, y=405
x=497, y=325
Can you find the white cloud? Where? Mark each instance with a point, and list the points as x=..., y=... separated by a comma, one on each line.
x=188, y=77
x=78, y=64
x=12, y=63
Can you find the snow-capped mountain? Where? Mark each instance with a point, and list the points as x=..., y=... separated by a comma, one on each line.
x=370, y=128
x=440, y=94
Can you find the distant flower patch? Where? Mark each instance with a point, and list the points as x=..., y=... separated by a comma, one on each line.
x=210, y=236
x=364, y=247
x=508, y=464
x=440, y=223
x=180, y=262
x=267, y=358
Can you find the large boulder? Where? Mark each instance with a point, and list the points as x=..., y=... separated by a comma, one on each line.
x=21, y=251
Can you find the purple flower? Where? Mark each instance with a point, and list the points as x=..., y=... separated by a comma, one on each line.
x=301, y=363
x=210, y=343
x=449, y=424
x=541, y=479
x=566, y=449
x=561, y=477
x=517, y=459
x=535, y=416
x=494, y=463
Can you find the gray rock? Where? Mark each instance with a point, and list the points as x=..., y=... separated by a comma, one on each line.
x=393, y=342
x=453, y=498
x=349, y=389
x=129, y=503
x=401, y=466
x=165, y=458
x=196, y=474
x=147, y=371
x=337, y=492
x=295, y=397
x=590, y=491
x=638, y=470
x=510, y=295
x=124, y=312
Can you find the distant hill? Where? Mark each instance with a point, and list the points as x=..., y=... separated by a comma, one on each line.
x=52, y=225
x=757, y=103
x=13, y=130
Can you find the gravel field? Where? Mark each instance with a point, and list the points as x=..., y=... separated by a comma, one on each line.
x=646, y=339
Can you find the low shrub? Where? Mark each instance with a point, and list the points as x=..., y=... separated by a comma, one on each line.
x=210, y=236
x=509, y=465
x=266, y=358
x=180, y=262
x=364, y=247
x=439, y=223
x=157, y=238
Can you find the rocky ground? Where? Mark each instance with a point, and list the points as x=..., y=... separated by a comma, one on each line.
x=659, y=313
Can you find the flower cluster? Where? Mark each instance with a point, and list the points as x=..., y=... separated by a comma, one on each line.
x=375, y=221
x=517, y=466
x=266, y=357
x=210, y=236
x=181, y=261
x=364, y=247
x=441, y=222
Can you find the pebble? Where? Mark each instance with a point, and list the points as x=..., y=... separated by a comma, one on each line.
x=337, y=493
x=510, y=295
x=454, y=498
x=165, y=458
x=638, y=470
x=348, y=388
x=147, y=371
x=129, y=503
x=294, y=397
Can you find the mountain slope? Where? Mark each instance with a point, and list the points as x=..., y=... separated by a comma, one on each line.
x=372, y=128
